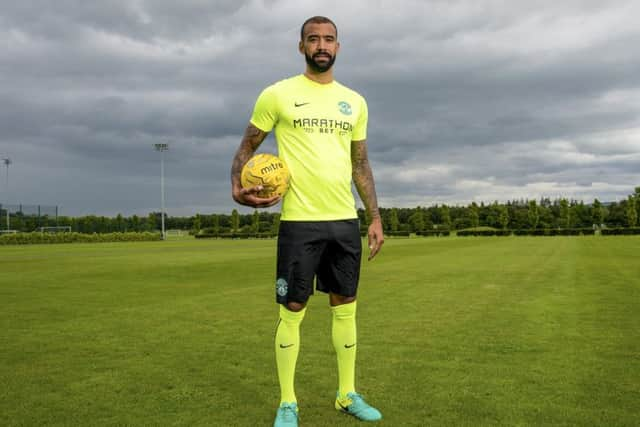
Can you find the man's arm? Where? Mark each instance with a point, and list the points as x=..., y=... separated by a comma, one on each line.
x=363, y=179
x=251, y=140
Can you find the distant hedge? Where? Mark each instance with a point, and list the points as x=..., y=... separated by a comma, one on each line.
x=365, y=233
x=433, y=233
x=620, y=231
x=527, y=232
x=236, y=236
x=397, y=234
x=556, y=232
x=36, y=238
x=464, y=233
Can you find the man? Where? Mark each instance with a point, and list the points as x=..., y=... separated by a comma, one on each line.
x=320, y=128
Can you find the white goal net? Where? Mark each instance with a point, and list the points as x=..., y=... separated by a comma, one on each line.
x=57, y=229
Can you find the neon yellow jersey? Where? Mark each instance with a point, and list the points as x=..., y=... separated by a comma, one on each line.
x=314, y=126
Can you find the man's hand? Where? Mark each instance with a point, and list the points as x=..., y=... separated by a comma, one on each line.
x=249, y=197
x=252, y=139
x=363, y=179
x=376, y=237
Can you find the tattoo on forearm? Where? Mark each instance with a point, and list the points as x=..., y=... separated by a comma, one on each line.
x=363, y=178
x=251, y=140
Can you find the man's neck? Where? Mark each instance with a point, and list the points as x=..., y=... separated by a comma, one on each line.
x=322, y=78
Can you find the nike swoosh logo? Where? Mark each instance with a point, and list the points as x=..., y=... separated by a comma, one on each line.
x=349, y=346
x=286, y=346
x=301, y=104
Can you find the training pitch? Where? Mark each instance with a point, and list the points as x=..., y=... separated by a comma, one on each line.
x=452, y=331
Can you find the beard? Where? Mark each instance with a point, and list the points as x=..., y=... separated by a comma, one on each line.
x=315, y=66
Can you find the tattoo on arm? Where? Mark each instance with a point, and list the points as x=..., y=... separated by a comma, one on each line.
x=251, y=140
x=363, y=177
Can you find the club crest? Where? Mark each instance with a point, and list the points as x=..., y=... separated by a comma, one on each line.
x=345, y=108
x=281, y=287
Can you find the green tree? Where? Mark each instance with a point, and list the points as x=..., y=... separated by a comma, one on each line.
x=215, y=223
x=533, y=214
x=393, y=219
x=151, y=221
x=616, y=214
x=632, y=213
x=474, y=215
x=597, y=212
x=120, y=224
x=445, y=214
x=197, y=223
x=416, y=220
x=573, y=215
x=503, y=216
x=235, y=221
x=275, y=225
x=255, y=222
x=492, y=212
x=545, y=214
x=135, y=223
x=563, y=221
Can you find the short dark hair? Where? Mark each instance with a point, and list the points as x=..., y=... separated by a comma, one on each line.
x=317, y=20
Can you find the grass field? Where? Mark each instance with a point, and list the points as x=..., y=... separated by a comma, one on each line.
x=452, y=332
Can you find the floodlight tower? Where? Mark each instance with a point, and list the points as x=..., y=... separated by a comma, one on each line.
x=7, y=161
x=162, y=148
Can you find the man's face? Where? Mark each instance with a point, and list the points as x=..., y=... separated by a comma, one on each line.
x=319, y=46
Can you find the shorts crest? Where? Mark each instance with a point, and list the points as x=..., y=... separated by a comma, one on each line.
x=281, y=287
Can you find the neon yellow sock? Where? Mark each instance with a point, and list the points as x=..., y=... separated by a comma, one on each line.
x=287, y=348
x=343, y=333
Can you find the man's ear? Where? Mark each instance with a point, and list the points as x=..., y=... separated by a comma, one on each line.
x=301, y=47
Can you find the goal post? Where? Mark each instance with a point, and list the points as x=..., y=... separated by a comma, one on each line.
x=25, y=218
x=176, y=233
x=56, y=229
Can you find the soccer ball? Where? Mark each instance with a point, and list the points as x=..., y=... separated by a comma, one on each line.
x=266, y=170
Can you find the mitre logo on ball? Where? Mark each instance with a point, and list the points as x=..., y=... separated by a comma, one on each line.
x=266, y=170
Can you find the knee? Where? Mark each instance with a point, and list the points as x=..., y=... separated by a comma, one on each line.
x=335, y=299
x=295, y=306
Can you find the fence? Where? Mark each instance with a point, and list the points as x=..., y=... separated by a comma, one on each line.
x=27, y=216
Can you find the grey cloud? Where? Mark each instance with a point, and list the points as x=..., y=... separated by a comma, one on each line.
x=143, y=20
x=466, y=99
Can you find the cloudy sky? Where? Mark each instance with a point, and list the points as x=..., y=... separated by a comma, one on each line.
x=468, y=100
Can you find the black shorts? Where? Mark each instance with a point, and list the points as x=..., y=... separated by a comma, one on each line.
x=329, y=251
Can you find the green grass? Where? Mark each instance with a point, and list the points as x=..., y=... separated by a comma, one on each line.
x=452, y=332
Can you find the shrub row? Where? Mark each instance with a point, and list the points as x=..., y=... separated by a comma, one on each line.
x=536, y=232
x=236, y=235
x=556, y=232
x=464, y=233
x=620, y=231
x=397, y=234
x=365, y=232
x=433, y=233
x=43, y=238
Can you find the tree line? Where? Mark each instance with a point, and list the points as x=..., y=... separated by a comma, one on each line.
x=522, y=214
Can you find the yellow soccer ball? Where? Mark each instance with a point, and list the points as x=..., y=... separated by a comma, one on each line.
x=266, y=170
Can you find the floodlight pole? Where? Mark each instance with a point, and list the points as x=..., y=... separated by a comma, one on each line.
x=162, y=148
x=7, y=162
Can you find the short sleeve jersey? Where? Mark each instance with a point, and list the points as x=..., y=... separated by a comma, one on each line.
x=314, y=126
